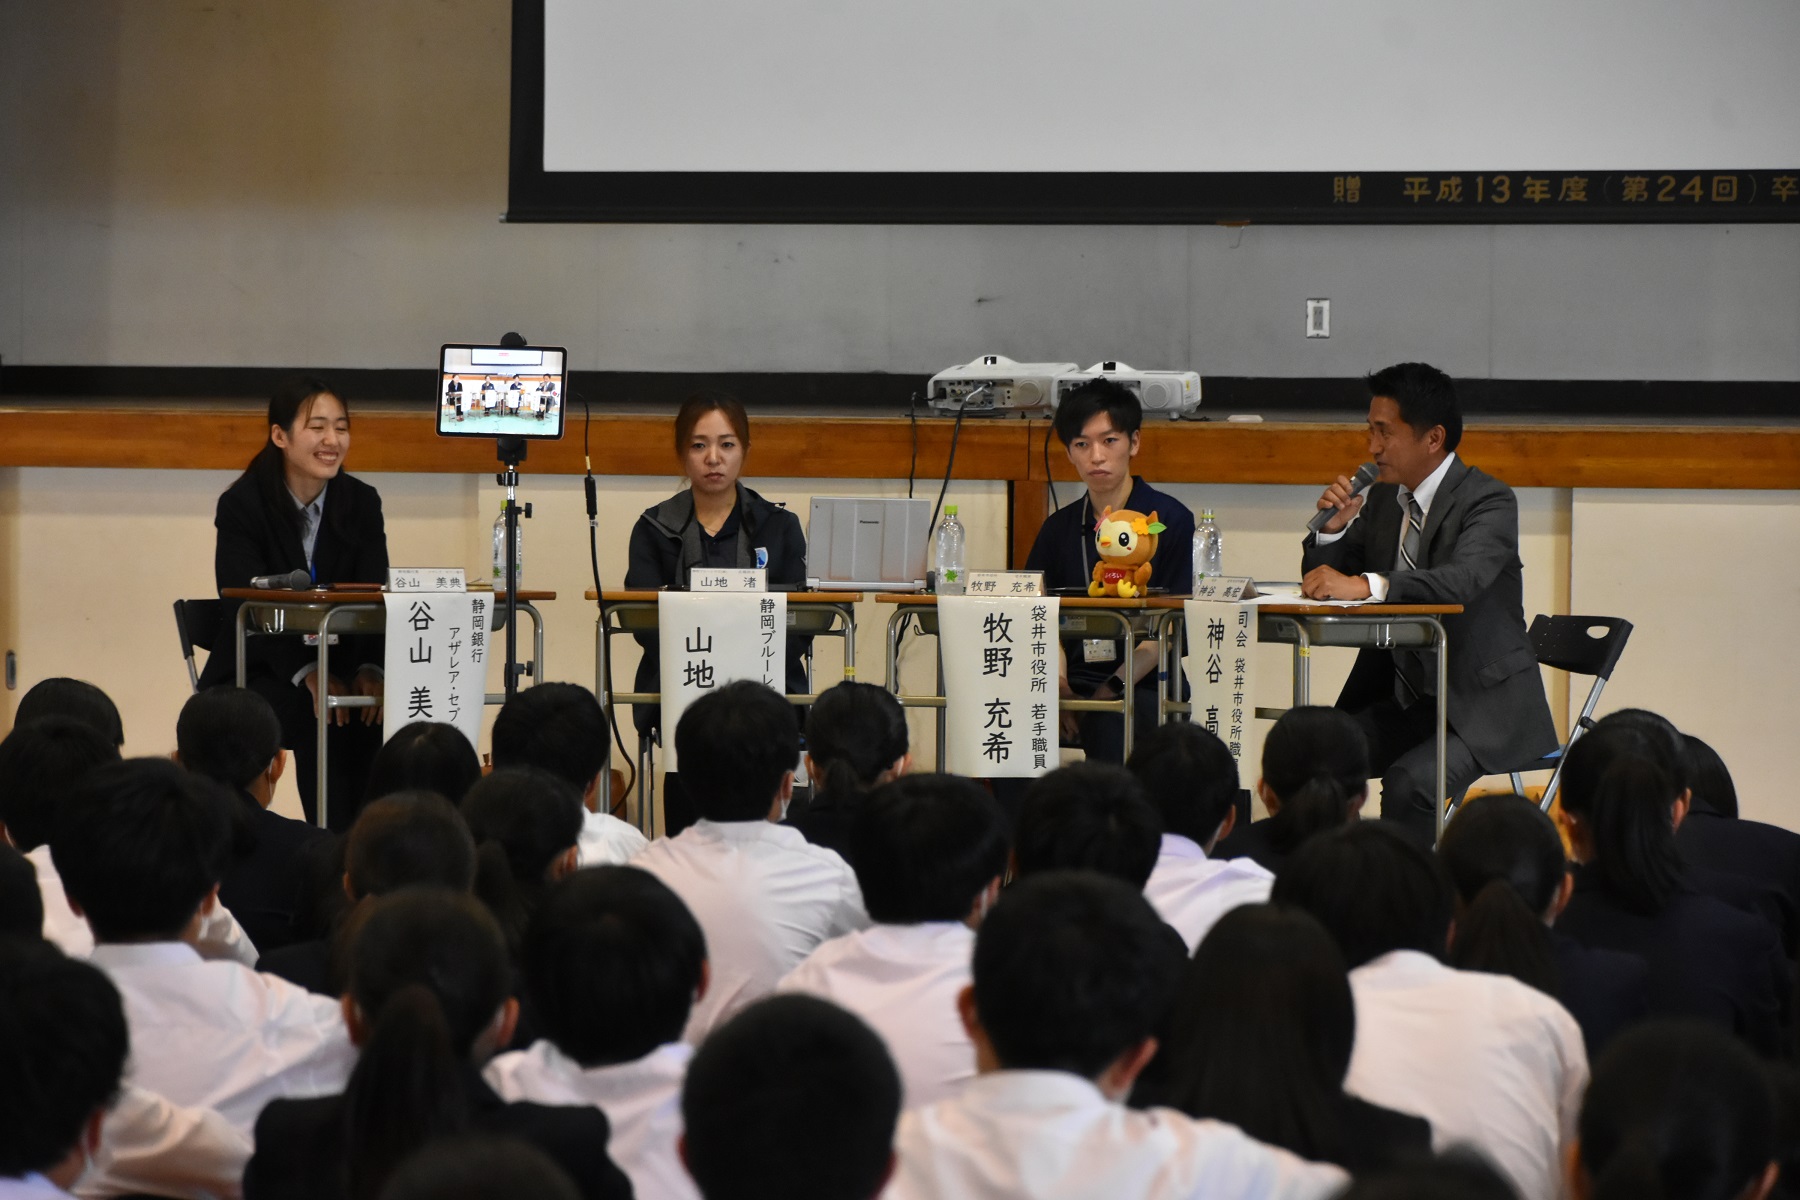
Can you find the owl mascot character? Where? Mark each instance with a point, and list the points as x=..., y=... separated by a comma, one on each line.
x=1127, y=542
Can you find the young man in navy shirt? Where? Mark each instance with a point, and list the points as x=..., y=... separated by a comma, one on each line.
x=1098, y=425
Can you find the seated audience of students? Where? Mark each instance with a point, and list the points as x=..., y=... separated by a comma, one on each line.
x=232, y=736
x=425, y=756
x=795, y=1097
x=613, y=962
x=1073, y=973
x=141, y=846
x=765, y=896
x=404, y=840
x=1707, y=959
x=479, y=1167
x=1715, y=836
x=561, y=728
x=1315, y=778
x=1505, y=858
x=929, y=853
x=1261, y=1036
x=856, y=739
x=1489, y=1060
x=40, y=763
x=1087, y=816
x=525, y=823
x=1191, y=778
x=428, y=1003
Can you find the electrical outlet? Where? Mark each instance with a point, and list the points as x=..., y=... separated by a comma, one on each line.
x=1318, y=318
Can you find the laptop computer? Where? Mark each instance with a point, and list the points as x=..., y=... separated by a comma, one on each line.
x=862, y=544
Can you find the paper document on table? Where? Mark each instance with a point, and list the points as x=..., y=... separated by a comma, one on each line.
x=1295, y=597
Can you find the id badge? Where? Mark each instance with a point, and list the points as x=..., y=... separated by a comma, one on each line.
x=1099, y=650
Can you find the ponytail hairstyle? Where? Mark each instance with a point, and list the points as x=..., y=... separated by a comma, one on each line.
x=1676, y=1109
x=1505, y=860
x=1261, y=1032
x=523, y=819
x=1665, y=743
x=1711, y=779
x=1613, y=785
x=429, y=974
x=854, y=733
x=290, y=405
x=1316, y=761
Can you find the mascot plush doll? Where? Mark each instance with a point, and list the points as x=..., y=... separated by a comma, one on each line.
x=1127, y=542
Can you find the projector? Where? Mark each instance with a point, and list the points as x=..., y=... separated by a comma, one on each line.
x=994, y=383
x=1174, y=393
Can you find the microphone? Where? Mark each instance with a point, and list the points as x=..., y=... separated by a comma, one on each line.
x=1365, y=475
x=289, y=581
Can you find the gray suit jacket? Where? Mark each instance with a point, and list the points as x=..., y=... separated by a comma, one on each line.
x=1469, y=555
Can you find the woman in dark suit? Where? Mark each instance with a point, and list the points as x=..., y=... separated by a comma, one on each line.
x=292, y=509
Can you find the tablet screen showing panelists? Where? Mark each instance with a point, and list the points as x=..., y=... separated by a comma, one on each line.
x=502, y=391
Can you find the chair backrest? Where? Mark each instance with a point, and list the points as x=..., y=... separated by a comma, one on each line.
x=1580, y=645
x=197, y=624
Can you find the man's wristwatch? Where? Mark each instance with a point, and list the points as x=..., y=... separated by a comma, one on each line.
x=1116, y=682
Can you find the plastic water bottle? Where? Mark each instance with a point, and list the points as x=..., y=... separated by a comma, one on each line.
x=500, y=551
x=1209, y=548
x=947, y=554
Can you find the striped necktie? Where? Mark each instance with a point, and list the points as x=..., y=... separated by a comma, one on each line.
x=1409, y=665
x=1415, y=525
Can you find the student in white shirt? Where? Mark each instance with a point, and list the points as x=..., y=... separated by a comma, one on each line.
x=1677, y=1109
x=764, y=896
x=1087, y=816
x=1490, y=1061
x=929, y=852
x=613, y=964
x=141, y=847
x=792, y=1097
x=1191, y=778
x=525, y=823
x=1073, y=974
x=562, y=728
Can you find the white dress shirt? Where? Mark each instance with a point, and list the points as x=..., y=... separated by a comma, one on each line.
x=150, y=1147
x=641, y=1100
x=1191, y=891
x=221, y=937
x=1425, y=493
x=607, y=841
x=29, y=1187
x=764, y=896
x=219, y=1035
x=903, y=980
x=1051, y=1135
x=1486, y=1059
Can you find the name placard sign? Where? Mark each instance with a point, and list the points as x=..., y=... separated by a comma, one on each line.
x=710, y=639
x=1217, y=665
x=1005, y=583
x=735, y=579
x=1225, y=589
x=999, y=659
x=436, y=663
x=426, y=579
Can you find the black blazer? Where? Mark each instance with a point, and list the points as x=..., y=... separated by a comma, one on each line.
x=1768, y=854
x=1470, y=556
x=1705, y=959
x=258, y=539
x=1606, y=991
x=1377, y=1138
x=300, y=1152
x=267, y=886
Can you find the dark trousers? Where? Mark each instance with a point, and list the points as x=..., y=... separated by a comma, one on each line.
x=350, y=751
x=1403, y=754
x=1103, y=734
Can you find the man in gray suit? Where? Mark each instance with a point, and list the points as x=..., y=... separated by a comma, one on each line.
x=1433, y=530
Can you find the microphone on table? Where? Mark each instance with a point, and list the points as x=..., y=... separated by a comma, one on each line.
x=1365, y=475
x=289, y=581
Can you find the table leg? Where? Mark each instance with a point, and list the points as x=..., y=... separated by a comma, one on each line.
x=1302, y=666
x=322, y=720
x=1441, y=646
x=243, y=640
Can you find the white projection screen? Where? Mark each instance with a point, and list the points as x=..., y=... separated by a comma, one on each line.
x=1155, y=110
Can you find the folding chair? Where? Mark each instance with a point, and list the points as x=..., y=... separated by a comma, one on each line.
x=1580, y=646
x=197, y=624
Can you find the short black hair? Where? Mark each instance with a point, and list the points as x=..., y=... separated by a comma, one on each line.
x=21, y=900
x=612, y=961
x=854, y=732
x=39, y=763
x=791, y=1097
x=1458, y=1174
x=1190, y=776
x=1373, y=890
x=468, y=1166
x=1089, y=815
x=427, y=756
x=925, y=846
x=64, y=697
x=1072, y=969
x=405, y=839
x=1425, y=395
x=228, y=734
x=1714, y=791
x=1083, y=403
x=560, y=727
x=735, y=744
x=62, y=1055
x=140, y=845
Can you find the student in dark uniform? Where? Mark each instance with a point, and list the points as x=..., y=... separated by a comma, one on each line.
x=1098, y=425
x=294, y=508
x=1315, y=778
